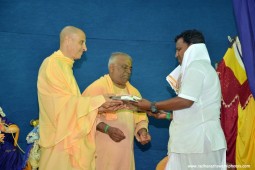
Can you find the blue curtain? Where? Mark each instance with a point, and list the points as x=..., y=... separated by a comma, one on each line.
x=245, y=20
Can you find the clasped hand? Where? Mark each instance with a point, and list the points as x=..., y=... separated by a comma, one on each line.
x=143, y=136
x=116, y=134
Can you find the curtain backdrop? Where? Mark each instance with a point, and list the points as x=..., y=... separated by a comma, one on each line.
x=245, y=20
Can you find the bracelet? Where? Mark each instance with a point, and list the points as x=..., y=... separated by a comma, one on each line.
x=168, y=115
x=106, y=128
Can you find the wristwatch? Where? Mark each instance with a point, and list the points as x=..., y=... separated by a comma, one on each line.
x=153, y=108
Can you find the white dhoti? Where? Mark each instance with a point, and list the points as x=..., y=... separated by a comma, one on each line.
x=211, y=160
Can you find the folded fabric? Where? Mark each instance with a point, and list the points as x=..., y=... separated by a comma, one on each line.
x=172, y=78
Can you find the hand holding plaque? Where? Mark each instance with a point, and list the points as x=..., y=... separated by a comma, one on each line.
x=128, y=100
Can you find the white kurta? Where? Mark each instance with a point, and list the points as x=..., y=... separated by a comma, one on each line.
x=190, y=126
x=196, y=135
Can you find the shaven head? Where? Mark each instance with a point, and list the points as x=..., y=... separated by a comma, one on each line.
x=68, y=31
x=72, y=42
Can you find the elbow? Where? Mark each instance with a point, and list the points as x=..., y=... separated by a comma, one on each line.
x=184, y=103
x=188, y=103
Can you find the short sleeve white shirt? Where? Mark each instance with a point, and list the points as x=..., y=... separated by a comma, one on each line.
x=191, y=126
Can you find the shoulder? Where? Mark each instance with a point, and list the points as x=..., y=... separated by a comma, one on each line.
x=97, y=87
x=200, y=66
x=49, y=62
x=98, y=82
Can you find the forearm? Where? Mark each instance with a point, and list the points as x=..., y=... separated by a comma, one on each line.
x=176, y=103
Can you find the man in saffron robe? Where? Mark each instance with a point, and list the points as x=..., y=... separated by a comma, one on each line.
x=67, y=119
x=116, y=131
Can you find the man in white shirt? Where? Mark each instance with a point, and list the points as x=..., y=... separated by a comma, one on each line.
x=196, y=139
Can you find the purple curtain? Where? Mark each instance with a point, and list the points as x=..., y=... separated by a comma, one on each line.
x=245, y=20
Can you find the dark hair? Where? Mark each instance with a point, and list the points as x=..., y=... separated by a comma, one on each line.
x=191, y=37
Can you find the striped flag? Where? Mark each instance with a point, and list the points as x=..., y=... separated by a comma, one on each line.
x=235, y=94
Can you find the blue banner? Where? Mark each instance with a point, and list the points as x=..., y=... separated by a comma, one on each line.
x=245, y=20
